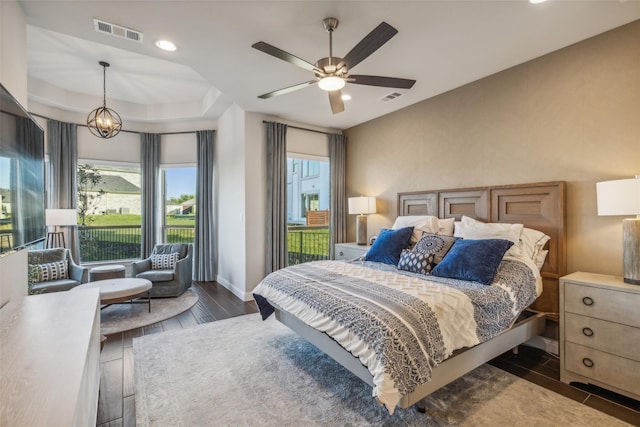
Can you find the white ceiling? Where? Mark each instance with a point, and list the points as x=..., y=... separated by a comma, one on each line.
x=441, y=44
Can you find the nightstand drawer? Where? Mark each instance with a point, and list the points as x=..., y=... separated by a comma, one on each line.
x=606, y=304
x=350, y=251
x=615, y=371
x=602, y=335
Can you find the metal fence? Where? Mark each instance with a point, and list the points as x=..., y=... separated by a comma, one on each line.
x=307, y=244
x=120, y=242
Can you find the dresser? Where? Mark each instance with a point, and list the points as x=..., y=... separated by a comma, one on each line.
x=50, y=359
x=600, y=332
x=350, y=250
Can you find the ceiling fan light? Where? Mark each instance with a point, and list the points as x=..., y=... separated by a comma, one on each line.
x=331, y=83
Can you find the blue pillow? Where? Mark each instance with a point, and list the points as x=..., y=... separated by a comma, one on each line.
x=474, y=260
x=388, y=245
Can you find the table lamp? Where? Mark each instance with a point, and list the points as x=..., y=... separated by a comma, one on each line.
x=362, y=206
x=55, y=218
x=622, y=197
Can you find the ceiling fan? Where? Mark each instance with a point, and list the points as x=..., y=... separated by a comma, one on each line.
x=332, y=73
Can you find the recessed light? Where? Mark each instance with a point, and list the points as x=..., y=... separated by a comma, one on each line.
x=346, y=97
x=166, y=45
x=537, y=1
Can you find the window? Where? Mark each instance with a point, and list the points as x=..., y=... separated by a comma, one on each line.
x=109, y=208
x=179, y=186
x=308, y=208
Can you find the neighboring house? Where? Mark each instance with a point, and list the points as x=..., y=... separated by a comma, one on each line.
x=121, y=194
x=307, y=188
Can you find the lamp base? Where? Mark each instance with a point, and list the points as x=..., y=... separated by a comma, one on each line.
x=361, y=230
x=631, y=242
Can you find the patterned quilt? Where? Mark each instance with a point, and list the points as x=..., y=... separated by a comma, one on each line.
x=399, y=324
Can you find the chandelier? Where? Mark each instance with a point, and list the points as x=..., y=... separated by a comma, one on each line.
x=104, y=122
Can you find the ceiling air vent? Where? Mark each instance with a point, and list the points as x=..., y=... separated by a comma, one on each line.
x=117, y=31
x=392, y=95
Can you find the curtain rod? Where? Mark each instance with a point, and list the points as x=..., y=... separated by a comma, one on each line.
x=122, y=130
x=308, y=130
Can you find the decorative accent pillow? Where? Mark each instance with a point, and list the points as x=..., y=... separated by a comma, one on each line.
x=164, y=261
x=420, y=223
x=474, y=260
x=416, y=262
x=389, y=245
x=435, y=244
x=51, y=271
x=428, y=252
x=470, y=228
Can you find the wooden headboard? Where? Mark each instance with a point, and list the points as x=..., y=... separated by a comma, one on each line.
x=540, y=206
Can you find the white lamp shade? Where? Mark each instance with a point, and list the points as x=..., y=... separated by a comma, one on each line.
x=362, y=205
x=619, y=197
x=61, y=217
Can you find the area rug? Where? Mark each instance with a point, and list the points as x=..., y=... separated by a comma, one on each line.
x=124, y=317
x=246, y=372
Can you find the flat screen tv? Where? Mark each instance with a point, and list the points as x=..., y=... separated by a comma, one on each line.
x=22, y=192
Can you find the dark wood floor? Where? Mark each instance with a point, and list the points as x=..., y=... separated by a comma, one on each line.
x=116, y=405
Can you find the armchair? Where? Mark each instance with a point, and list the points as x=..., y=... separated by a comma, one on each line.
x=167, y=282
x=48, y=275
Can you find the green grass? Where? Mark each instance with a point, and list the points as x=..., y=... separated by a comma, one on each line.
x=132, y=219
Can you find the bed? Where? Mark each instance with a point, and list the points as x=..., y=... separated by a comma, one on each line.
x=465, y=328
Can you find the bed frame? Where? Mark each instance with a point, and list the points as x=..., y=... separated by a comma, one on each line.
x=539, y=206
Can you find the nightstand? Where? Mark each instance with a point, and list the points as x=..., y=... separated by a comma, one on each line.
x=350, y=250
x=600, y=332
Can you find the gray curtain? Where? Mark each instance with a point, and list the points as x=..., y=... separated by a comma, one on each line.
x=62, y=140
x=150, y=170
x=276, y=196
x=204, y=251
x=338, y=198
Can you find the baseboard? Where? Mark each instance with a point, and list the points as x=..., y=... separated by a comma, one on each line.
x=240, y=293
x=545, y=344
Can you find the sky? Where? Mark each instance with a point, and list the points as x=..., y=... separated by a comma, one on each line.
x=180, y=181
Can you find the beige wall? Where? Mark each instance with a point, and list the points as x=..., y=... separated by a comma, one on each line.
x=572, y=115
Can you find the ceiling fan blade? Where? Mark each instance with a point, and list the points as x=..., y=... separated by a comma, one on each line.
x=372, y=42
x=285, y=56
x=381, y=81
x=287, y=89
x=335, y=99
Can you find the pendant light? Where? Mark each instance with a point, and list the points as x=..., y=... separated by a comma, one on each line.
x=104, y=122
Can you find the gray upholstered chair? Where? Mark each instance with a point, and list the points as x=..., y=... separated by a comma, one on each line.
x=45, y=273
x=170, y=282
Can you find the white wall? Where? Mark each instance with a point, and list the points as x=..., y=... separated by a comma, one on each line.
x=13, y=50
x=230, y=201
x=13, y=75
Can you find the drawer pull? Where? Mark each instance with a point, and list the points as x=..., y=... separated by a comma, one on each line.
x=587, y=362
x=587, y=301
x=587, y=332
x=341, y=253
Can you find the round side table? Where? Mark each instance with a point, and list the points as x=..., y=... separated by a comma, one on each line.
x=104, y=272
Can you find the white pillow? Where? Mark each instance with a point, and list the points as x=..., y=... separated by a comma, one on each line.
x=470, y=228
x=532, y=242
x=445, y=226
x=420, y=223
x=540, y=257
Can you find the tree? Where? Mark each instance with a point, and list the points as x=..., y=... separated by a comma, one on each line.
x=89, y=191
x=182, y=198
